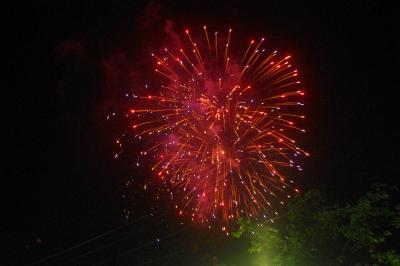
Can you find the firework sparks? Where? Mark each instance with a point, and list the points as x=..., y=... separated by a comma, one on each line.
x=220, y=128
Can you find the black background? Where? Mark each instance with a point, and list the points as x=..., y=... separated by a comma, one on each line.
x=61, y=183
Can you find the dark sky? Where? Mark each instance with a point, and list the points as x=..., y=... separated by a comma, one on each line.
x=61, y=182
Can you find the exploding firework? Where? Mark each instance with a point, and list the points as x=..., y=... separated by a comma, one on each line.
x=219, y=128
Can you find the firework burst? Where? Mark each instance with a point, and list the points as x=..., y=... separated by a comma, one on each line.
x=219, y=128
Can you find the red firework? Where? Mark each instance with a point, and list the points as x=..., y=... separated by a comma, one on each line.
x=220, y=128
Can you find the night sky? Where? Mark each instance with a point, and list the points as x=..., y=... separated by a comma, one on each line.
x=68, y=66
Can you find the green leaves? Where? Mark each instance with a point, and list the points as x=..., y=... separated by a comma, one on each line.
x=313, y=233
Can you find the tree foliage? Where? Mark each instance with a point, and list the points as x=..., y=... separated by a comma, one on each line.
x=312, y=233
